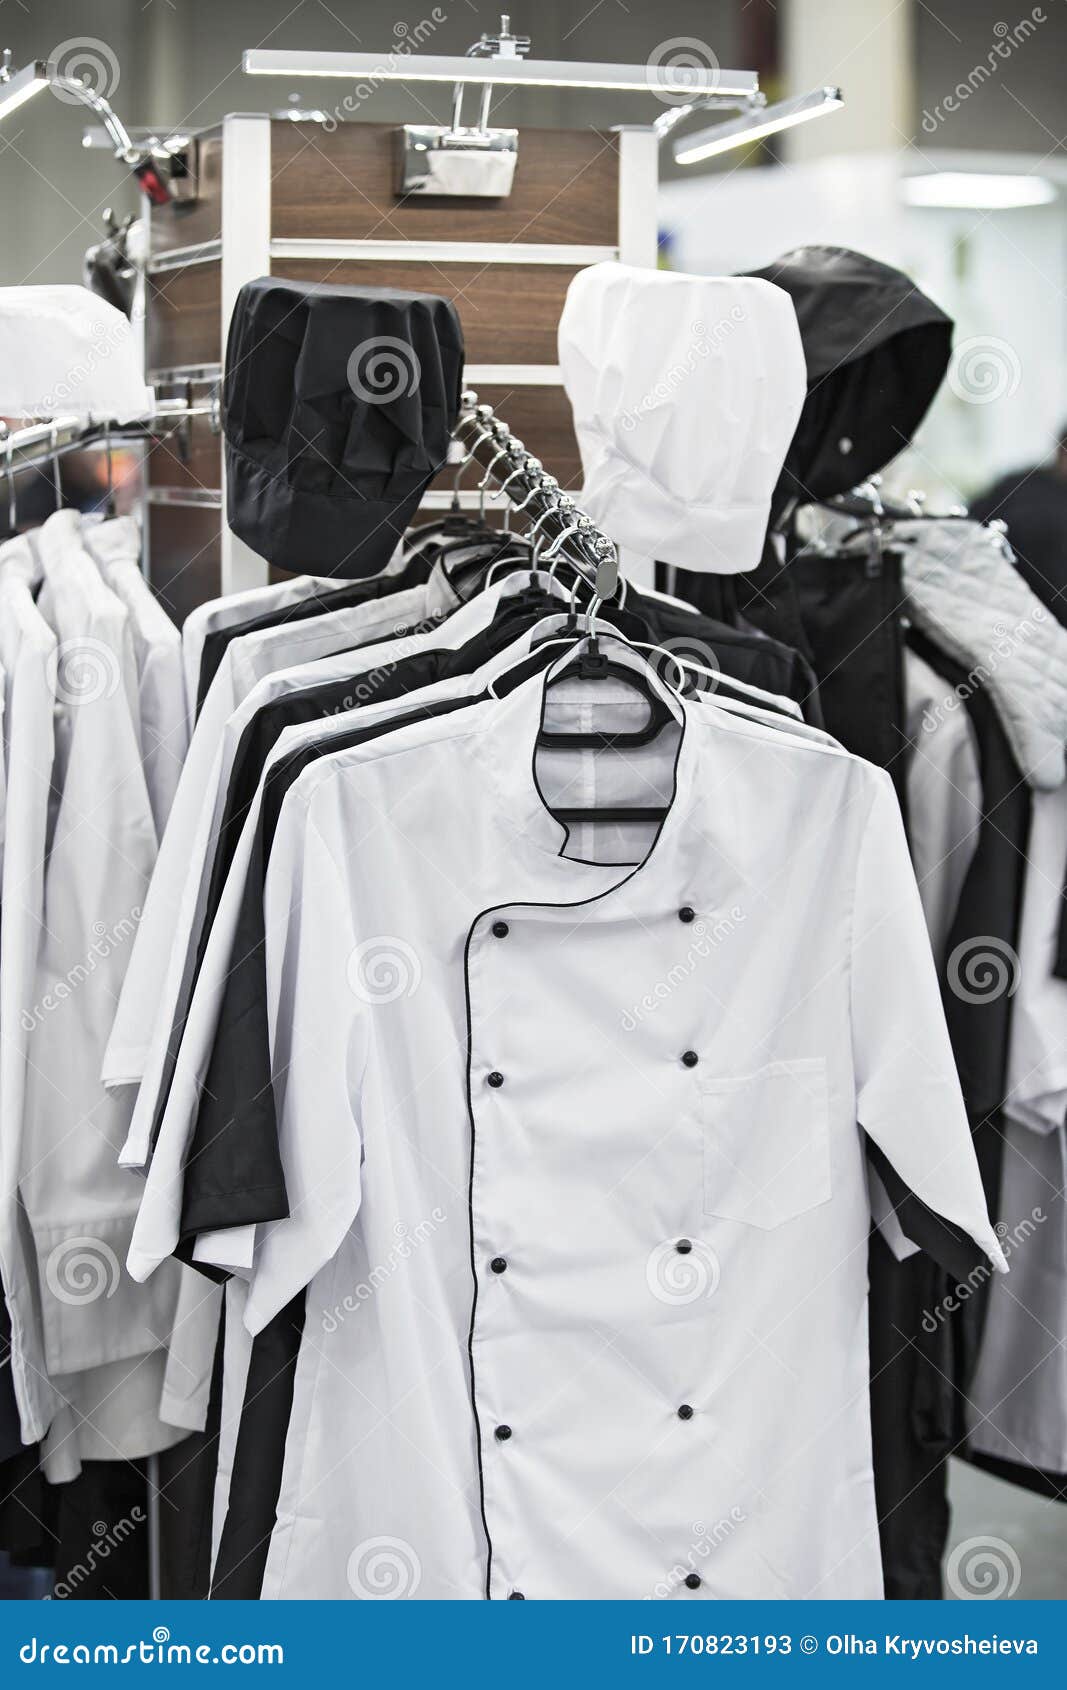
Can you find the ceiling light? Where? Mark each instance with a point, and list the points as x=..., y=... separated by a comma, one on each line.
x=16, y=90
x=756, y=125
x=970, y=191
x=508, y=72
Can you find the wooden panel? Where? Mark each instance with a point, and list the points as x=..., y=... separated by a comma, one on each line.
x=184, y=310
x=509, y=312
x=541, y=418
x=188, y=225
x=192, y=459
x=184, y=557
x=341, y=186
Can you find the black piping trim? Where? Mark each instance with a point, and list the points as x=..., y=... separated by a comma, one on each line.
x=491, y=909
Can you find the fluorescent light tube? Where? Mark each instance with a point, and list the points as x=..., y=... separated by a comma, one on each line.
x=519, y=73
x=22, y=86
x=756, y=125
x=973, y=191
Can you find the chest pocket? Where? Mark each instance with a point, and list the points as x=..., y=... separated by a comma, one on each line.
x=766, y=1142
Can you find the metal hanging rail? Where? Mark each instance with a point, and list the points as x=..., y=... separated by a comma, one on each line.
x=523, y=478
x=43, y=442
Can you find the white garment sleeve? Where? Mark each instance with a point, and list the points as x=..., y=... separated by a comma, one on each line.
x=319, y=1032
x=908, y=1096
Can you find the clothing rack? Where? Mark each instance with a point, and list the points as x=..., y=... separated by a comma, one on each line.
x=490, y=443
x=44, y=442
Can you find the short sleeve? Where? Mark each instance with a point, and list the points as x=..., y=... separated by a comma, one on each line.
x=908, y=1097
x=318, y=1040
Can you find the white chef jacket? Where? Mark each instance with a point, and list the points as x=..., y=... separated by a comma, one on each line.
x=116, y=549
x=78, y=1204
x=27, y=650
x=156, y=1233
x=620, y=1223
x=247, y=660
x=1017, y=1405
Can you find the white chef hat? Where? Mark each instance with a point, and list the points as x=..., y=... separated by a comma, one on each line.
x=65, y=352
x=686, y=392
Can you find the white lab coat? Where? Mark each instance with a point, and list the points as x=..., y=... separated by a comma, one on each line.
x=27, y=650
x=79, y=1205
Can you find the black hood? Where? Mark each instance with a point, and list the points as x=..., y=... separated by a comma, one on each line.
x=876, y=349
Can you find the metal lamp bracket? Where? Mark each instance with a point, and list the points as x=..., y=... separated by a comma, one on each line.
x=451, y=160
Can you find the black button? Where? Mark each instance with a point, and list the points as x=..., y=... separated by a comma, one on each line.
x=687, y=913
x=684, y=1413
x=500, y=930
x=693, y=1581
x=496, y=1079
x=499, y=1265
x=504, y=1432
x=683, y=1246
x=690, y=1058
x=516, y=1596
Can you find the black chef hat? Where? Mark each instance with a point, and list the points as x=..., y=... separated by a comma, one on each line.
x=876, y=349
x=339, y=404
